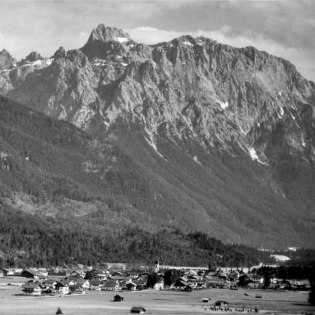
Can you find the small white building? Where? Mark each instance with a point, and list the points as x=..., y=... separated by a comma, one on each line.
x=64, y=289
x=280, y=258
x=158, y=286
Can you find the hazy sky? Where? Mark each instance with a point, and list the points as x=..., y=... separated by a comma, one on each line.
x=284, y=28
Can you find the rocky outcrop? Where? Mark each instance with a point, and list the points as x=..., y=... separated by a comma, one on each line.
x=6, y=60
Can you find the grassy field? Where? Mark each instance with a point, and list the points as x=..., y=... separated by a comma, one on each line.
x=155, y=302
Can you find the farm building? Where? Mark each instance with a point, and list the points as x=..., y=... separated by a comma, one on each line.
x=137, y=309
x=221, y=303
x=118, y=298
x=62, y=288
x=28, y=273
x=31, y=288
x=8, y=272
x=111, y=285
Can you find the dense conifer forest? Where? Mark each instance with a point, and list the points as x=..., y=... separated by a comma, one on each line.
x=28, y=240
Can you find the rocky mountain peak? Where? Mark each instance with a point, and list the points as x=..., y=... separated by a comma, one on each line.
x=106, y=33
x=60, y=53
x=6, y=60
x=105, y=40
x=31, y=57
x=4, y=52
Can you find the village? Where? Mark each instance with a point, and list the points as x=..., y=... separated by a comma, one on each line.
x=119, y=279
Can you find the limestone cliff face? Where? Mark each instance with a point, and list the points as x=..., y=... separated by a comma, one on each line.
x=241, y=102
x=192, y=86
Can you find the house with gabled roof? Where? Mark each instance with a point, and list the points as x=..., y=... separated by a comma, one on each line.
x=62, y=287
x=29, y=273
x=96, y=284
x=111, y=285
x=8, y=272
x=83, y=283
x=131, y=286
x=43, y=272
x=179, y=283
x=32, y=288
x=75, y=273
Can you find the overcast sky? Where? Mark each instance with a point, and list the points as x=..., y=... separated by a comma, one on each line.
x=284, y=28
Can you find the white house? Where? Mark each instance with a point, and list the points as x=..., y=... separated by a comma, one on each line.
x=64, y=289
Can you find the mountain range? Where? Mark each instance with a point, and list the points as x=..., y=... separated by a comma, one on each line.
x=189, y=134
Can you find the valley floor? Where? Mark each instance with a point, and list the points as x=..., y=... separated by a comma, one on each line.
x=155, y=302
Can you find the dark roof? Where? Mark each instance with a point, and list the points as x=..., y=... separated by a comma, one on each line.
x=118, y=298
x=137, y=309
x=95, y=282
x=110, y=284
x=218, y=303
x=30, y=285
x=32, y=272
x=117, y=278
x=75, y=278
x=131, y=284
x=188, y=288
x=50, y=281
x=74, y=272
x=180, y=283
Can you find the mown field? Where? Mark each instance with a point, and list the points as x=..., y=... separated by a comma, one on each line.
x=155, y=302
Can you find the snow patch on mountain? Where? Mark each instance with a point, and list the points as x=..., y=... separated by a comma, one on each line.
x=195, y=158
x=40, y=63
x=303, y=141
x=150, y=141
x=153, y=145
x=98, y=62
x=34, y=63
x=292, y=116
x=49, y=61
x=243, y=132
x=281, y=111
x=223, y=105
x=254, y=156
x=121, y=39
x=187, y=43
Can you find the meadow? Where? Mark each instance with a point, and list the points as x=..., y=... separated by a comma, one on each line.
x=155, y=302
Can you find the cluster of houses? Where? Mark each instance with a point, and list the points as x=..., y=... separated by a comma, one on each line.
x=79, y=281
